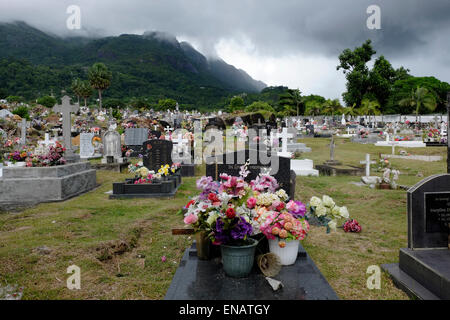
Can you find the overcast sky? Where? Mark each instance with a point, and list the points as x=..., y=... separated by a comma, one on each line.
x=285, y=42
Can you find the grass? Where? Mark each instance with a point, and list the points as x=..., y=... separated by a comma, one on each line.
x=118, y=244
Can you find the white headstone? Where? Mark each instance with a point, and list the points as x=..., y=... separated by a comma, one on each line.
x=87, y=149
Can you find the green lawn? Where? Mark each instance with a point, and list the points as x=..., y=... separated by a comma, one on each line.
x=118, y=244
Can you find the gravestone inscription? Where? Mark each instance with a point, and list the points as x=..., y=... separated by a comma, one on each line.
x=231, y=164
x=157, y=153
x=86, y=147
x=429, y=213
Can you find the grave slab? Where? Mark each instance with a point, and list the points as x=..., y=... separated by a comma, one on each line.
x=205, y=280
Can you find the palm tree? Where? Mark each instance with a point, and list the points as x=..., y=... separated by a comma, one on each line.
x=292, y=99
x=351, y=111
x=419, y=98
x=76, y=87
x=370, y=107
x=99, y=78
x=85, y=91
x=332, y=107
x=314, y=108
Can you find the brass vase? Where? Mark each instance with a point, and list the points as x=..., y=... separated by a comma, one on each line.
x=203, y=245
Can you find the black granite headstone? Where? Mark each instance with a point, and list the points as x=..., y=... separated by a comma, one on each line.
x=157, y=153
x=429, y=213
x=231, y=164
x=423, y=270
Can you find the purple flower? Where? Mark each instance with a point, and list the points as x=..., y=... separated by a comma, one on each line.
x=241, y=230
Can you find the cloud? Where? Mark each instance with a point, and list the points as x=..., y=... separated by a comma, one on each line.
x=268, y=36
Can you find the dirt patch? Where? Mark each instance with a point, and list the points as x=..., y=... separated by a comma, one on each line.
x=111, y=249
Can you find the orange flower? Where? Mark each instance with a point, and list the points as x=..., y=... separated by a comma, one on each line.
x=283, y=234
x=282, y=244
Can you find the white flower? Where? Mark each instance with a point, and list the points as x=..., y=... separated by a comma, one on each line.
x=282, y=195
x=344, y=213
x=328, y=201
x=315, y=202
x=321, y=210
x=336, y=211
x=212, y=218
x=332, y=225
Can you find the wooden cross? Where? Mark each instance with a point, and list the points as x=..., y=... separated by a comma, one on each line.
x=66, y=109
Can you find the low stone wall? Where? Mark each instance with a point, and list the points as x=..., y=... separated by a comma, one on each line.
x=34, y=185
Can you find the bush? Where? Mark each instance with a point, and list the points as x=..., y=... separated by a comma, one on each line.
x=47, y=101
x=22, y=112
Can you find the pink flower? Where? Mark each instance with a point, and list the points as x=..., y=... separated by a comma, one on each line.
x=163, y=258
x=251, y=203
x=190, y=219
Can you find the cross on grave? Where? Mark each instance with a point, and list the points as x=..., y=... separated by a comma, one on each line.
x=23, y=132
x=66, y=109
x=168, y=129
x=47, y=140
x=332, y=146
x=155, y=127
x=284, y=139
x=180, y=142
x=367, y=162
x=393, y=144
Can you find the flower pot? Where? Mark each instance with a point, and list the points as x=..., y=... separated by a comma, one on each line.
x=288, y=254
x=238, y=261
x=203, y=245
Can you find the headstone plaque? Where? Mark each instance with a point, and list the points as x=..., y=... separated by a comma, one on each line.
x=136, y=136
x=157, y=153
x=221, y=164
x=429, y=213
x=86, y=147
x=437, y=211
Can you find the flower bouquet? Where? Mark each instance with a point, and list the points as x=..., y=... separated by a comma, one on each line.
x=325, y=212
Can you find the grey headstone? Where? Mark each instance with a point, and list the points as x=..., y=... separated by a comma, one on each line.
x=136, y=136
x=111, y=144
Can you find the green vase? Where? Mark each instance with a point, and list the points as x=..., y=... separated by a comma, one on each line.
x=203, y=245
x=238, y=260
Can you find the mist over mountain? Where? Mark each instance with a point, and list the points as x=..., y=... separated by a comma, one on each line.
x=153, y=65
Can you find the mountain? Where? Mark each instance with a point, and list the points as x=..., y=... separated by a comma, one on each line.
x=153, y=65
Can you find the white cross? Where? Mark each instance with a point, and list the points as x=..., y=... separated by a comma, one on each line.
x=284, y=139
x=367, y=163
x=47, y=140
x=393, y=144
x=168, y=129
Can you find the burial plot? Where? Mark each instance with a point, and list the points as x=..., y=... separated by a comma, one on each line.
x=333, y=167
x=423, y=270
x=23, y=186
x=157, y=153
x=134, y=139
x=231, y=164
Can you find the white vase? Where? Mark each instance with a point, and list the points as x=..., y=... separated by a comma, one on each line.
x=288, y=254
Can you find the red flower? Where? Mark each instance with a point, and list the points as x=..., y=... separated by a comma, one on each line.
x=352, y=226
x=213, y=197
x=190, y=203
x=231, y=213
x=280, y=206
